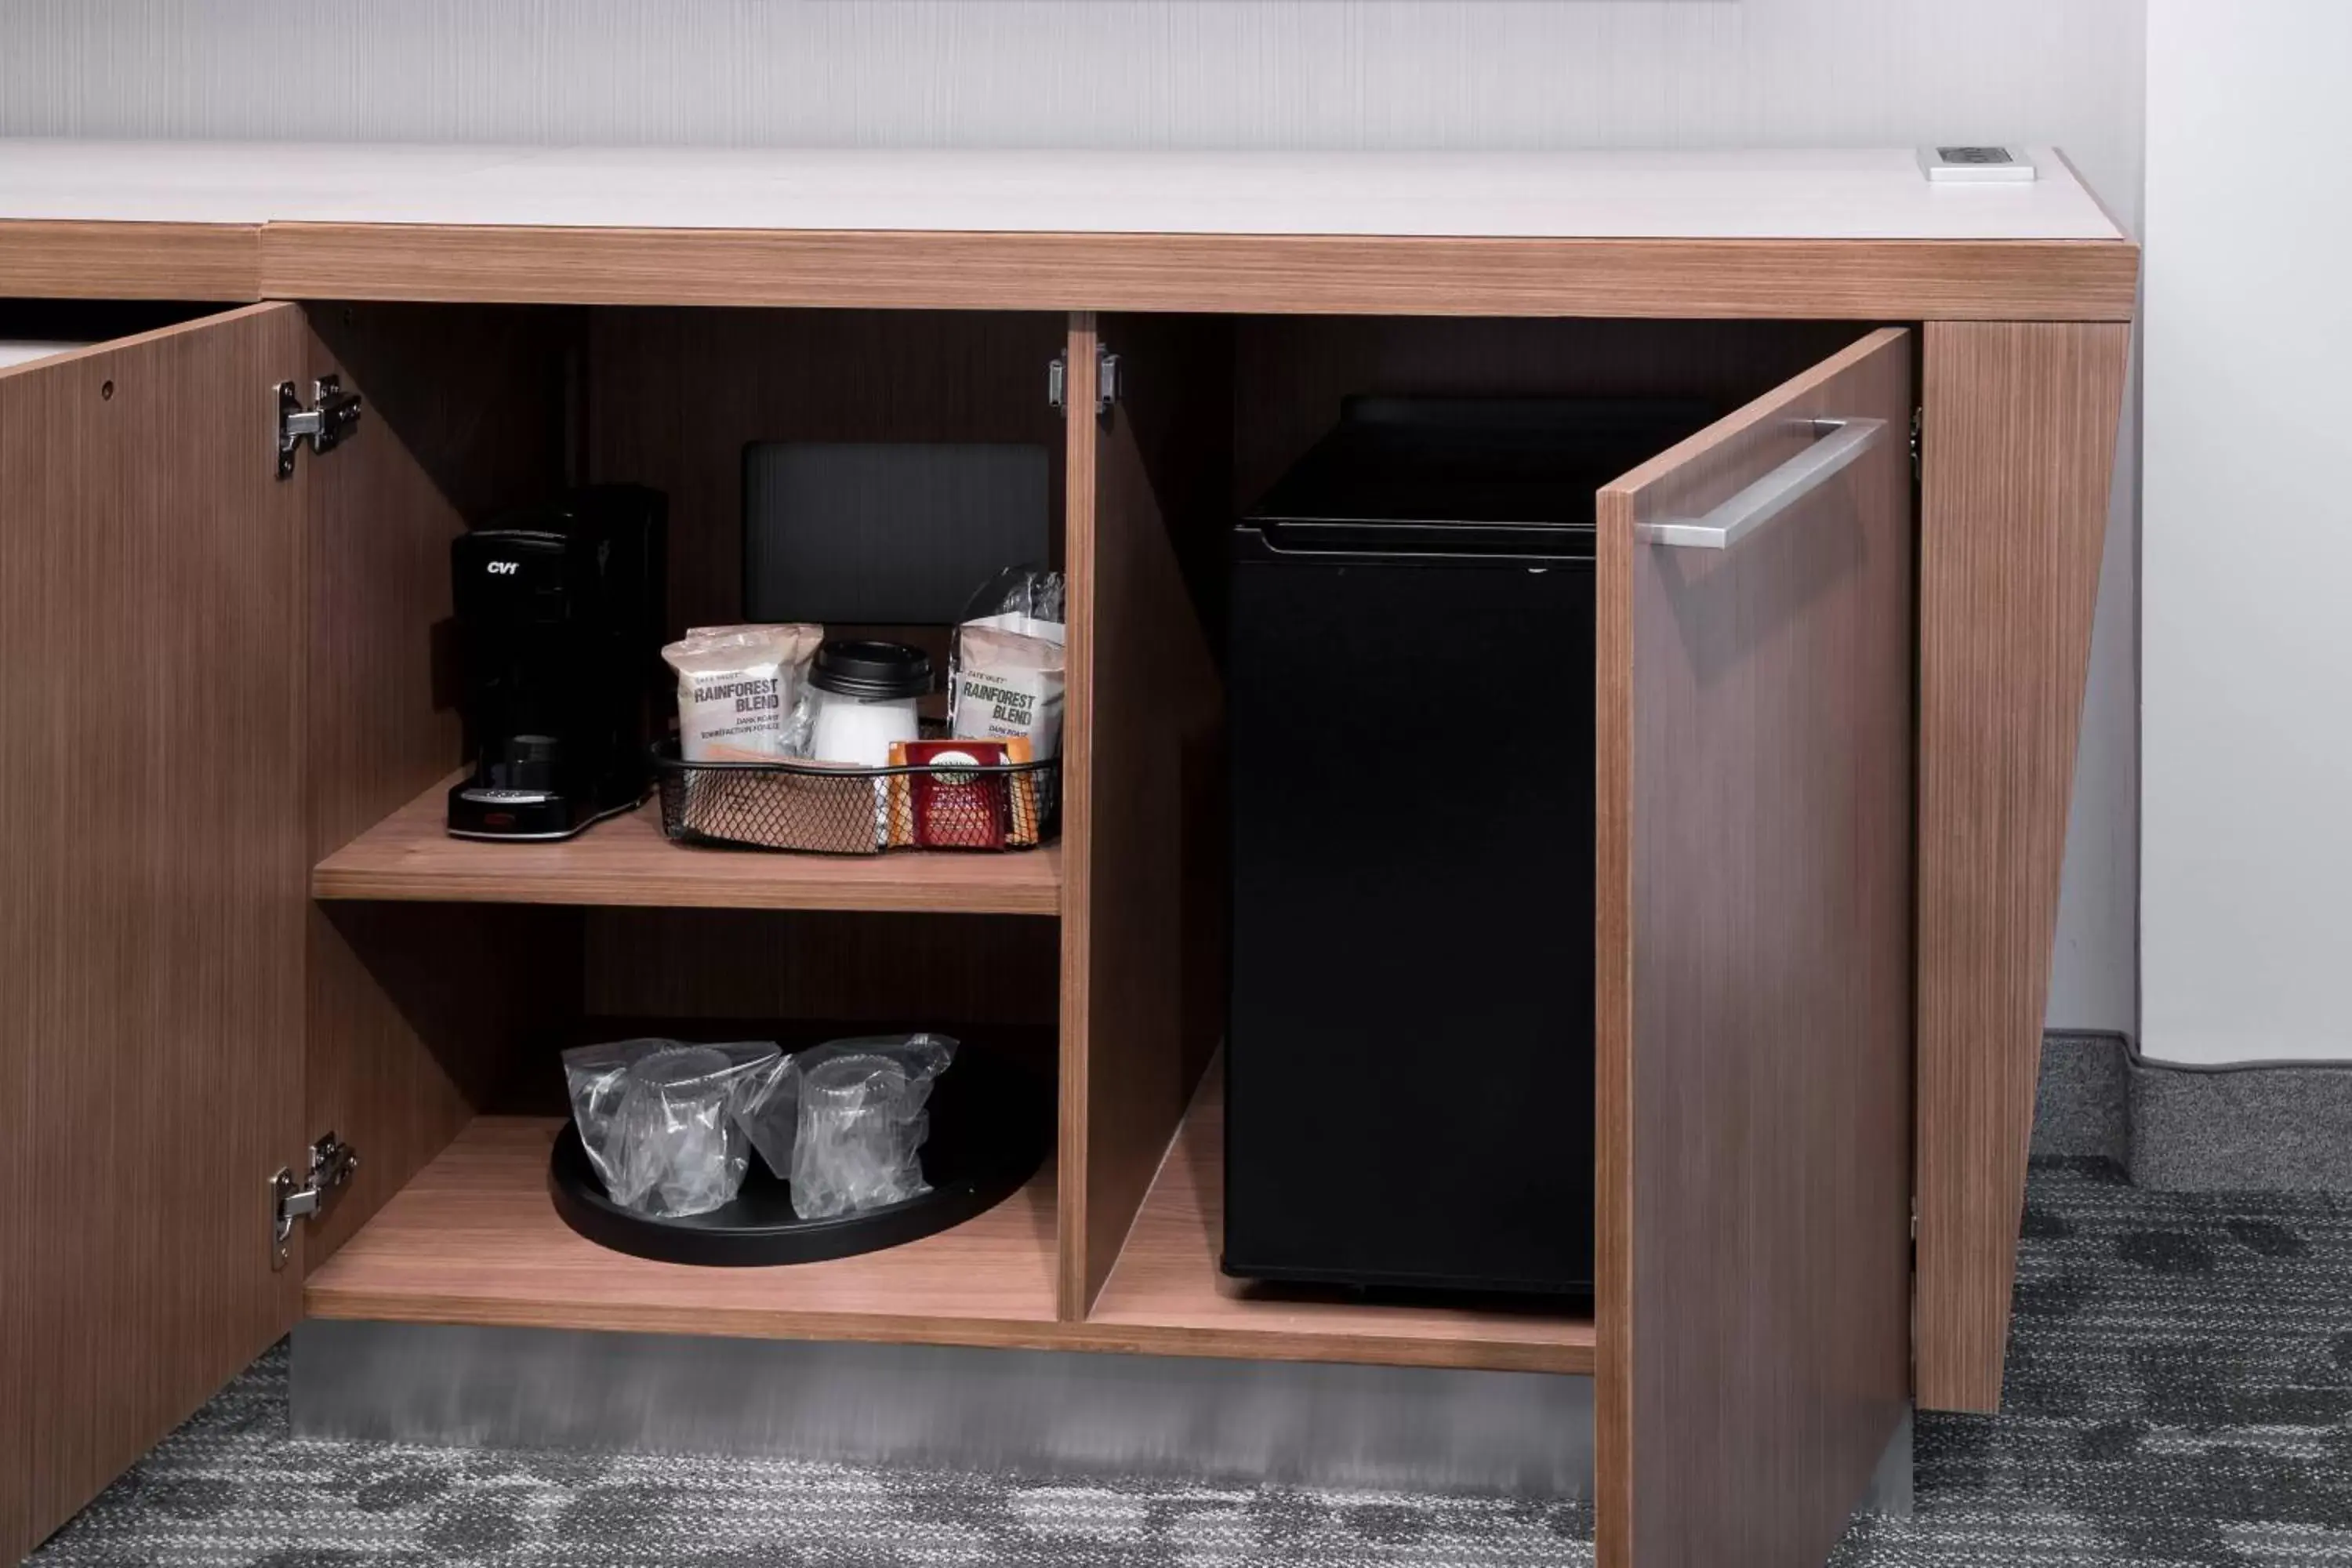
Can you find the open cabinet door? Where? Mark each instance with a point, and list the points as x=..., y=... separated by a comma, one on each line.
x=153, y=872
x=1142, y=847
x=1755, y=684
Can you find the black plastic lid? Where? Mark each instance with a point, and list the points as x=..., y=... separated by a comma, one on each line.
x=874, y=670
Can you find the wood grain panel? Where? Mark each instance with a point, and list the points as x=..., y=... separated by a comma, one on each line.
x=2018, y=449
x=1310, y=274
x=1754, y=987
x=422, y=1015
x=78, y=260
x=151, y=940
x=674, y=397
x=902, y=968
x=475, y=1238
x=1168, y=1296
x=414, y=1016
x=626, y=861
x=1140, y=764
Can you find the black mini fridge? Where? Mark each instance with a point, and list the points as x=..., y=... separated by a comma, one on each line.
x=1409, y=1048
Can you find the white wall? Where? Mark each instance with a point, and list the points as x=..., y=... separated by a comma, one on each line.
x=1285, y=73
x=2247, y=587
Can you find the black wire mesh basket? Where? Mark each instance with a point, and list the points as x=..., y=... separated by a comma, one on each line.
x=821, y=808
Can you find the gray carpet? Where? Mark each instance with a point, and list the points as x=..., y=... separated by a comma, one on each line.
x=2266, y=1126
x=2180, y=1392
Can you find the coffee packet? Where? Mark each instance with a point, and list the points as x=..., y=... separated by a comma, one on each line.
x=1010, y=663
x=738, y=692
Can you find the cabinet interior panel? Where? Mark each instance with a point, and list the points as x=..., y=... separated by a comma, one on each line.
x=412, y=1016
x=886, y=967
x=675, y=396
x=1168, y=1294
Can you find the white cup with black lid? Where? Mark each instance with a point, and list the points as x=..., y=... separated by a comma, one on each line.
x=865, y=695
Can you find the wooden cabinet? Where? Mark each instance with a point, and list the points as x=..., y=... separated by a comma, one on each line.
x=1836, y=699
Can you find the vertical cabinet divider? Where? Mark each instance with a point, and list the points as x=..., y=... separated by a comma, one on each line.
x=1074, y=1282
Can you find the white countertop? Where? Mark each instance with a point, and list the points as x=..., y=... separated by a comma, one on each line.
x=14, y=351
x=1747, y=195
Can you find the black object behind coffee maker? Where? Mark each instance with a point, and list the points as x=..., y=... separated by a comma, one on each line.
x=560, y=615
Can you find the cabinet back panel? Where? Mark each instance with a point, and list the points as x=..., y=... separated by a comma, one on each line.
x=996, y=969
x=674, y=397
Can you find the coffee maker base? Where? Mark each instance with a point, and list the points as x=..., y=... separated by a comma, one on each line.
x=526, y=816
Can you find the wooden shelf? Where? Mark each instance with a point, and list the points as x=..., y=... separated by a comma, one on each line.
x=475, y=1239
x=626, y=861
x=1168, y=1296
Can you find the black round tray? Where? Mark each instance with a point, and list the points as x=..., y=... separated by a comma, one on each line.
x=991, y=1126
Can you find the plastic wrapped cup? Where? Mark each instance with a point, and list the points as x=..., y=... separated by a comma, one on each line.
x=845, y=1121
x=661, y=1120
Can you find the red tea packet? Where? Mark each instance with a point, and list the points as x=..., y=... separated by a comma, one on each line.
x=949, y=809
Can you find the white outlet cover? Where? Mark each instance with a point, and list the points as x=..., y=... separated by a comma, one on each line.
x=1977, y=166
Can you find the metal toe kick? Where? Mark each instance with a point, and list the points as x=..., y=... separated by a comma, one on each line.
x=1042, y=1412
x=1047, y=1413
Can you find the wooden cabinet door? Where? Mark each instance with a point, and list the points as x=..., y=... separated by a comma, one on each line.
x=152, y=892
x=1754, y=682
x=1142, y=846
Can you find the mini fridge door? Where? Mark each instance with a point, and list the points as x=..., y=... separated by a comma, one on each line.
x=1410, y=1041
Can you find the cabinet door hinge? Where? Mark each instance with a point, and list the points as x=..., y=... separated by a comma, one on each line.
x=1919, y=423
x=332, y=415
x=332, y=1161
x=1057, y=375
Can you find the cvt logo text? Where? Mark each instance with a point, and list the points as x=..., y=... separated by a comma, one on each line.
x=505, y=568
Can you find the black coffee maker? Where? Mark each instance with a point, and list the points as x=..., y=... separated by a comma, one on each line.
x=560, y=615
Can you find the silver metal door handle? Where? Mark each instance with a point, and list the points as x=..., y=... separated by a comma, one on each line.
x=1841, y=442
